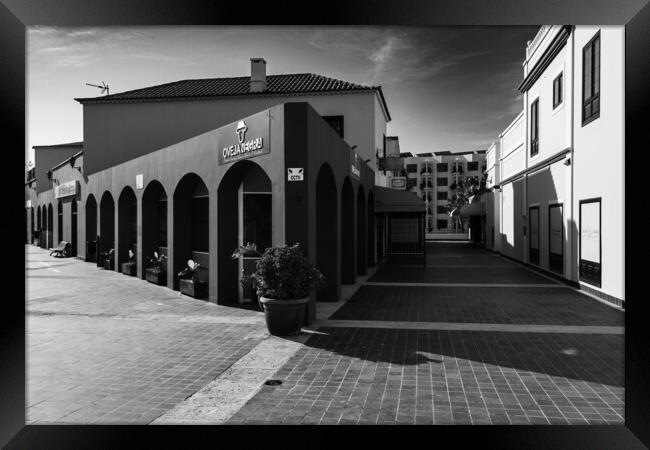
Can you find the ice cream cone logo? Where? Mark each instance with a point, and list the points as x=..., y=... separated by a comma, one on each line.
x=241, y=130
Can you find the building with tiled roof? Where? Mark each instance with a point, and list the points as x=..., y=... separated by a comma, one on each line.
x=129, y=124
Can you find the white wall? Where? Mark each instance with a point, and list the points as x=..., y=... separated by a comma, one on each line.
x=114, y=133
x=554, y=124
x=599, y=151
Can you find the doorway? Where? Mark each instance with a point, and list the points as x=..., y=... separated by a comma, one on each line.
x=73, y=226
x=533, y=240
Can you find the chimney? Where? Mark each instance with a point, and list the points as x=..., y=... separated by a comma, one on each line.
x=258, y=75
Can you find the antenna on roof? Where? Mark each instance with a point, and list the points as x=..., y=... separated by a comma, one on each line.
x=103, y=87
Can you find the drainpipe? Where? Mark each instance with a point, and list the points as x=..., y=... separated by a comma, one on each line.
x=570, y=234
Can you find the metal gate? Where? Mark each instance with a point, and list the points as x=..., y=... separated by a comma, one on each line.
x=405, y=235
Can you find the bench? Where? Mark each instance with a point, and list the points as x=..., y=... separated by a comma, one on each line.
x=63, y=250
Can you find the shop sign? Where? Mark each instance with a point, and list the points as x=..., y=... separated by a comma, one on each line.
x=244, y=139
x=398, y=182
x=295, y=174
x=66, y=189
x=355, y=165
x=139, y=181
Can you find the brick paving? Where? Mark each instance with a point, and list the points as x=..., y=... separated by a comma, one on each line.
x=106, y=348
x=352, y=375
x=486, y=274
x=504, y=305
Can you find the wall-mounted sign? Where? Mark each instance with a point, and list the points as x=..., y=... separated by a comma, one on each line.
x=295, y=174
x=66, y=189
x=139, y=181
x=28, y=204
x=398, y=182
x=355, y=164
x=244, y=139
x=391, y=163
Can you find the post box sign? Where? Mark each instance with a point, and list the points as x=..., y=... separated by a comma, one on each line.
x=244, y=139
x=66, y=189
x=398, y=183
x=355, y=164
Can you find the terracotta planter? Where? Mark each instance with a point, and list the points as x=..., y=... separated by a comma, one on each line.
x=196, y=290
x=284, y=317
x=129, y=269
x=156, y=277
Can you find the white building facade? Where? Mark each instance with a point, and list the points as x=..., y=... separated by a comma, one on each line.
x=561, y=161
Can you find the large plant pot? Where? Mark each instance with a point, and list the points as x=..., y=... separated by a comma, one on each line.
x=196, y=290
x=284, y=317
x=108, y=264
x=156, y=277
x=129, y=269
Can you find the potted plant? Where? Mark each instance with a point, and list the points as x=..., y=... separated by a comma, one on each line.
x=156, y=273
x=129, y=268
x=109, y=259
x=191, y=280
x=284, y=277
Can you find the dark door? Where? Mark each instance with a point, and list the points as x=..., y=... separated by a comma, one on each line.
x=533, y=235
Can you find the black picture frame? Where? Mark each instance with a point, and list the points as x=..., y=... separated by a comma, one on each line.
x=635, y=14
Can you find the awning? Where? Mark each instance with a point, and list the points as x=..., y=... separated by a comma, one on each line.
x=473, y=209
x=396, y=200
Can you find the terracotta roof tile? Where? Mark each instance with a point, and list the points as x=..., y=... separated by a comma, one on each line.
x=300, y=83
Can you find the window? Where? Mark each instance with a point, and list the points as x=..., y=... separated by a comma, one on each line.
x=441, y=182
x=591, y=80
x=534, y=127
x=441, y=209
x=336, y=122
x=442, y=167
x=441, y=223
x=557, y=91
x=442, y=195
x=472, y=165
x=590, y=244
x=412, y=168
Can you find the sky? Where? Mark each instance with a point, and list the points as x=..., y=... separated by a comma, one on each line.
x=447, y=88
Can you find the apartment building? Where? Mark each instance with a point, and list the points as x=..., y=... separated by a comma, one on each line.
x=437, y=178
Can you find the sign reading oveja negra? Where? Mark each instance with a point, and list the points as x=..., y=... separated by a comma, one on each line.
x=244, y=139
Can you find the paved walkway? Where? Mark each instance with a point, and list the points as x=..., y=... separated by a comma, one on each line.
x=471, y=339
x=446, y=344
x=106, y=348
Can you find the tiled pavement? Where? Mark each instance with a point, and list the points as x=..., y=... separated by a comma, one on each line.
x=106, y=348
x=351, y=375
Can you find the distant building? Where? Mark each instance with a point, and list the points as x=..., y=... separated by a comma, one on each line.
x=437, y=178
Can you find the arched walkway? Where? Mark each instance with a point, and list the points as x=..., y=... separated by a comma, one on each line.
x=244, y=216
x=39, y=226
x=191, y=224
x=154, y=221
x=91, y=228
x=348, y=269
x=50, y=226
x=127, y=230
x=371, y=230
x=31, y=228
x=362, y=214
x=59, y=222
x=73, y=226
x=106, y=224
x=326, y=226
